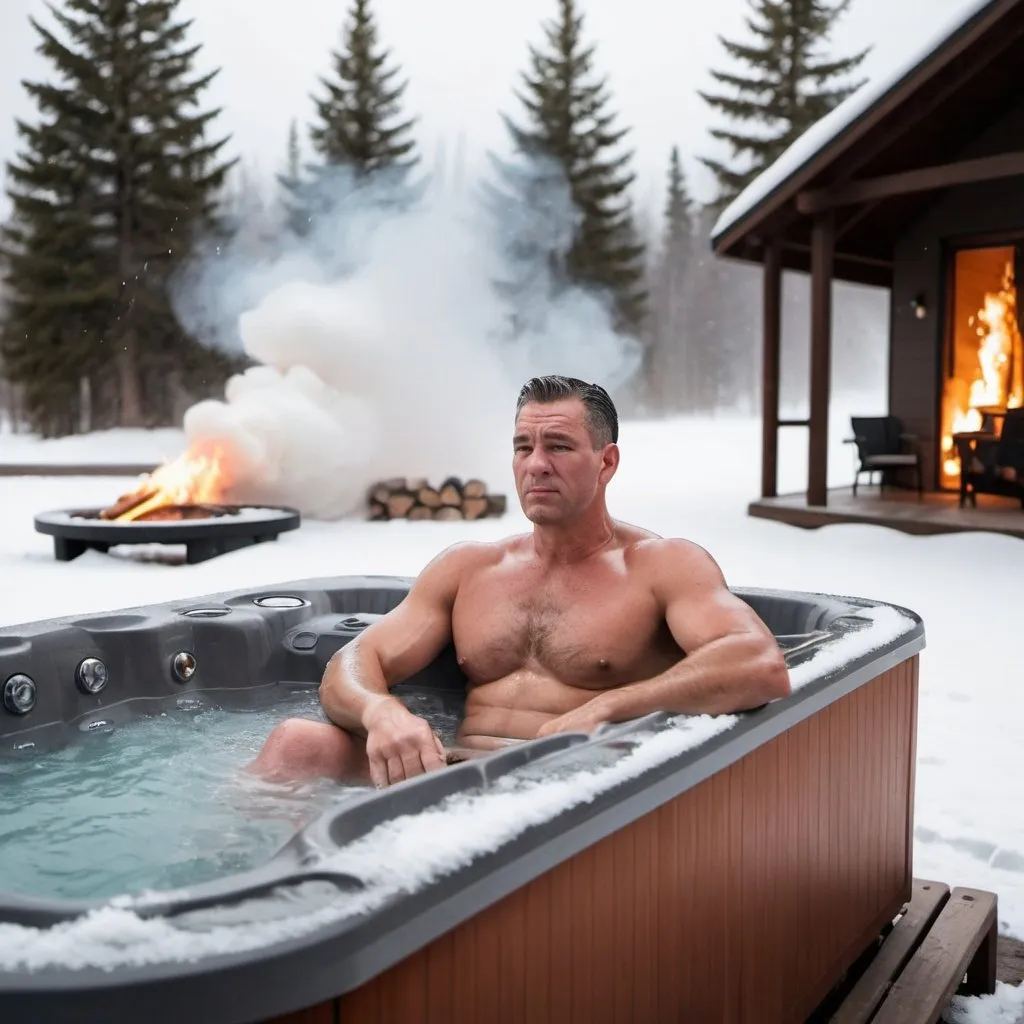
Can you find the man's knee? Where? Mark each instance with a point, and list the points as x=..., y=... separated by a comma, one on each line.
x=299, y=733
x=300, y=747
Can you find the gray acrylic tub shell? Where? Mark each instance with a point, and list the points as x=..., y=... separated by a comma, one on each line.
x=286, y=647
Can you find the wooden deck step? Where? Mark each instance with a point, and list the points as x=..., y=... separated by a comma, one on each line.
x=958, y=954
x=943, y=945
x=873, y=985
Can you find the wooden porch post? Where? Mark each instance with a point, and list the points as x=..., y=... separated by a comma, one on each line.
x=822, y=255
x=770, y=360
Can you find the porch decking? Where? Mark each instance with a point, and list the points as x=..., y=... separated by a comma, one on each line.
x=935, y=512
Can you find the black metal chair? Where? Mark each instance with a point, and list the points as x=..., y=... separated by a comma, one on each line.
x=883, y=446
x=996, y=465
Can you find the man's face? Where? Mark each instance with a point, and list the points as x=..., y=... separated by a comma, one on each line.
x=558, y=473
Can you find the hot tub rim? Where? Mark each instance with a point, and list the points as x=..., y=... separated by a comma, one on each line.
x=421, y=915
x=331, y=961
x=325, y=585
x=453, y=897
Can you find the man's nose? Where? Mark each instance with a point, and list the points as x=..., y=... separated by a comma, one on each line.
x=538, y=461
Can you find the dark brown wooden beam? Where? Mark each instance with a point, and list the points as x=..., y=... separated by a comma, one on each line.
x=770, y=366
x=854, y=218
x=922, y=179
x=874, y=275
x=822, y=260
x=849, y=257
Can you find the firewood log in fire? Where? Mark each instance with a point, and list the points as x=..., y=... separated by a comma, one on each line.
x=164, y=513
x=201, y=510
x=127, y=502
x=419, y=499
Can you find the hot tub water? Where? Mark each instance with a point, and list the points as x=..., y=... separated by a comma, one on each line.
x=158, y=803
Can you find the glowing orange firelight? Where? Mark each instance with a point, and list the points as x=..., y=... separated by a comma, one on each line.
x=986, y=357
x=198, y=476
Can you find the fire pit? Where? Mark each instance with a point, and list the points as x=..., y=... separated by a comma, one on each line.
x=180, y=502
x=205, y=530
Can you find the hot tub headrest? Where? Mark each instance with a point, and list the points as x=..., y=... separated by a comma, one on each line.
x=787, y=614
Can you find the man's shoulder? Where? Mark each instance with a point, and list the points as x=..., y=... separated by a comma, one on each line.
x=469, y=555
x=657, y=555
x=640, y=540
x=448, y=570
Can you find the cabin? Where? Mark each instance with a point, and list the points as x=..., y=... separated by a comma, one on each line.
x=914, y=184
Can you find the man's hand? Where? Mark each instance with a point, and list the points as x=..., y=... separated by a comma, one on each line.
x=586, y=718
x=399, y=744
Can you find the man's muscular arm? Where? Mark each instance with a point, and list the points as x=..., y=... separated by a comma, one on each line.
x=733, y=662
x=358, y=678
x=355, y=689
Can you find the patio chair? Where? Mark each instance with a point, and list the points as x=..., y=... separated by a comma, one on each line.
x=882, y=446
x=995, y=466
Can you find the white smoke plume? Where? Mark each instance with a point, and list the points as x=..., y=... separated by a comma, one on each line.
x=398, y=367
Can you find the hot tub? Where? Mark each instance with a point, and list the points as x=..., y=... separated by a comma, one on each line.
x=671, y=868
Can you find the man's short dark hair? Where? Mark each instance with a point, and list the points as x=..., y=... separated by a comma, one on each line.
x=602, y=419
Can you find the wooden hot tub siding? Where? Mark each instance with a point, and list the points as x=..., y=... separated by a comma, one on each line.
x=741, y=900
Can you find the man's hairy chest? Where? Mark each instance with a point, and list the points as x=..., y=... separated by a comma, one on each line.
x=585, y=631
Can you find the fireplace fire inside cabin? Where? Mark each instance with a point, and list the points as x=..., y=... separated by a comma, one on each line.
x=983, y=361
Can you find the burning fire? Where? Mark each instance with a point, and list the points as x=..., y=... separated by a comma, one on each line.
x=997, y=379
x=197, y=477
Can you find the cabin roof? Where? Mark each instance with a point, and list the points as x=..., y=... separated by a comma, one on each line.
x=921, y=113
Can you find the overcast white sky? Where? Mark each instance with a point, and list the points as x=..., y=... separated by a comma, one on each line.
x=462, y=58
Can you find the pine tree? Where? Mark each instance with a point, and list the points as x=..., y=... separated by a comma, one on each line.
x=114, y=185
x=365, y=149
x=295, y=214
x=722, y=316
x=294, y=152
x=673, y=369
x=564, y=205
x=249, y=220
x=790, y=85
x=677, y=207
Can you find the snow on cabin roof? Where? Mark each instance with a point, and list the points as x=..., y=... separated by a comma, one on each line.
x=823, y=133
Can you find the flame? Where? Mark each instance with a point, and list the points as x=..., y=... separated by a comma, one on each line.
x=995, y=382
x=198, y=476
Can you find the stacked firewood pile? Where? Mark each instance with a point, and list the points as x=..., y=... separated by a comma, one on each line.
x=402, y=498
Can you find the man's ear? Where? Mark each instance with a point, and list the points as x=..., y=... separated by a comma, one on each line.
x=609, y=462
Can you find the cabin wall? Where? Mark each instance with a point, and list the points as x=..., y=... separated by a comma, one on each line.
x=995, y=209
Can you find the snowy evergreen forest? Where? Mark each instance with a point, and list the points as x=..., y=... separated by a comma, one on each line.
x=118, y=183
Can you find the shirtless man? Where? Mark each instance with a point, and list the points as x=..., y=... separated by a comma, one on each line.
x=581, y=622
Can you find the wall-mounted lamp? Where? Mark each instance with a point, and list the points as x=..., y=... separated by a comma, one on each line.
x=918, y=306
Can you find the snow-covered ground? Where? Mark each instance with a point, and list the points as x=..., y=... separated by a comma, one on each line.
x=116, y=447
x=690, y=478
